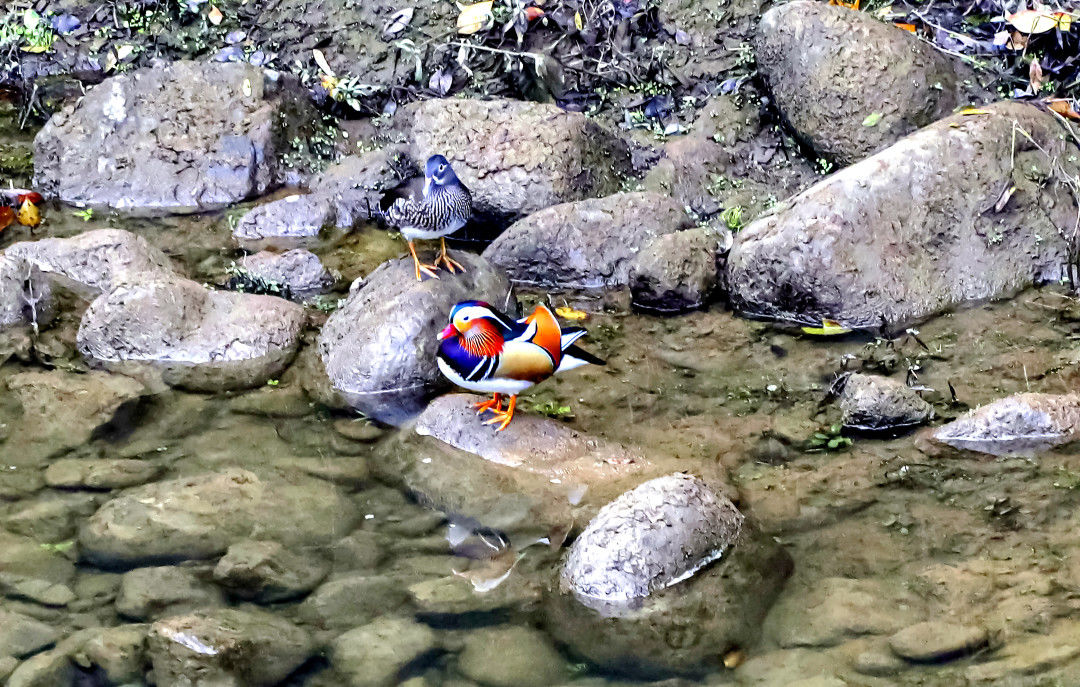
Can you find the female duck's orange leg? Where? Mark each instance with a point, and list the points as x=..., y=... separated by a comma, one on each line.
x=503, y=417
x=494, y=404
x=429, y=270
x=452, y=266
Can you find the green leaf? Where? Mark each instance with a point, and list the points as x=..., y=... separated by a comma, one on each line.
x=872, y=119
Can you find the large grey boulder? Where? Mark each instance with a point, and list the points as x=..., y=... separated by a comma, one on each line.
x=94, y=262
x=180, y=137
x=677, y=272
x=517, y=157
x=379, y=348
x=849, y=84
x=200, y=517
x=918, y=228
x=89, y=401
x=1022, y=423
x=187, y=335
x=535, y=476
x=226, y=646
x=669, y=559
x=650, y=538
x=25, y=295
x=587, y=244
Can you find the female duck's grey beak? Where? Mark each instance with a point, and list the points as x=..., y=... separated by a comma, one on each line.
x=427, y=186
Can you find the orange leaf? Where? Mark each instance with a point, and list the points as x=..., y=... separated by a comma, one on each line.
x=32, y=196
x=7, y=216
x=906, y=27
x=215, y=16
x=28, y=215
x=533, y=13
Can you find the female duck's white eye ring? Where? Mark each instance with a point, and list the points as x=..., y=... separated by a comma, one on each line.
x=442, y=168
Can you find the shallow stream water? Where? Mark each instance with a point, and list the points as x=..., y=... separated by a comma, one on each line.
x=932, y=534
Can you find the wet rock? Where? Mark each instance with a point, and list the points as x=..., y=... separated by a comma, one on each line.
x=588, y=244
x=872, y=403
x=25, y=295
x=872, y=656
x=201, y=516
x=359, y=551
x=536, y=475
x=936, y=640
x=1022, y=423
x=511, y=656
x=265, y=571
x=861, y=249
x=273, y=401
x=718, y=609
x=7, y=666
x=52, y=518
x=107, y=473
x=187, y=335
x=94, y=262
x=379, y=347
x=356, y=184
x=151, y=593
x=1038, y=655
x=359, y=429
x=517, y=157
x=458, y=595
x=821, y=60
x=676, y=272
x=785, y=667
x=226, y=646
x=298, y=270
x=292, y=217
x=119, y=653
x=21, y=635
x=24, y=560
x=347, y=601
x=48, y=669
x=179, y=137
x=837, y=609
x=650, y=538
x=89, y=401
x=374, y=655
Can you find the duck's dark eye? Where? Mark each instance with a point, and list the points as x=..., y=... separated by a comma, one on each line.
x=442, y=168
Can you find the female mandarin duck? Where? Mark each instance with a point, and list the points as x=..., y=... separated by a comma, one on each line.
x=484, y=350
x=444, y=207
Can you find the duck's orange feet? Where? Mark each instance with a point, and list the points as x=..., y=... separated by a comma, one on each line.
x=452, y=266
x=494, y=404
x=429, y=270
x=503, y=417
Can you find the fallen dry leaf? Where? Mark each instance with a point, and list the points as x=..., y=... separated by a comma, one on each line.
x=967, y=111
x=827, y=328
x=32, y=196
x=398, y=22
x=532, y=13
x=7, y=216
x=1039, y=21
x=906, y=27
x=475, y=18
x=1035, y=76
x=215, y=16
x=28, y=214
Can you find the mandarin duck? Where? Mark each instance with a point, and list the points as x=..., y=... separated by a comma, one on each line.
x=484, y=350
x=444, y=207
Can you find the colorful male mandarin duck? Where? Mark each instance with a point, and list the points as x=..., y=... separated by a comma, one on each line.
x=484, y=350
x=445, y=207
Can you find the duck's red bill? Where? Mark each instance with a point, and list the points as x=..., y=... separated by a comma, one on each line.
x=447, y=332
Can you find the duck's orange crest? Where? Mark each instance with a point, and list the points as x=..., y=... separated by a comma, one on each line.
x=548, y=332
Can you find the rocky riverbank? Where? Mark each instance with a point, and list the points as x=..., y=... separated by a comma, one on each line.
x=227, y=456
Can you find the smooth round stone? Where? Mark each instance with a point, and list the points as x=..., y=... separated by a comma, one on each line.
x=935, y=640
x=511, y=657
